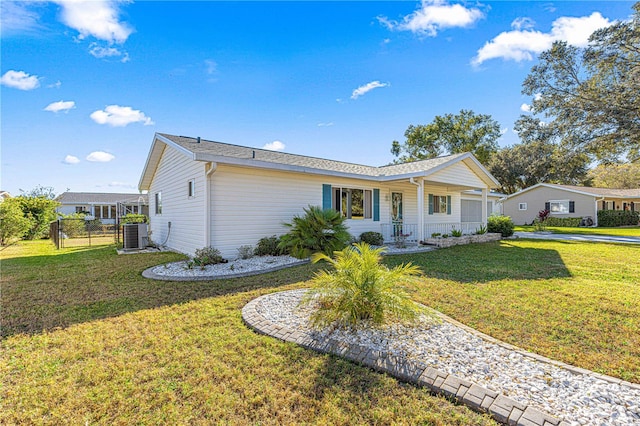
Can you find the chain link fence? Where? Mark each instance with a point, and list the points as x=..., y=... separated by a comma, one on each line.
x=81, y=232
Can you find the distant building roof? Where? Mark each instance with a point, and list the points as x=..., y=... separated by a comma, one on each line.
x=586, y=190
x=100, y=198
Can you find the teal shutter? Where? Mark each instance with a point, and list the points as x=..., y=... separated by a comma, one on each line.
x=326, y=196
x=376, y=205
x=448, y=204
x=430, y=203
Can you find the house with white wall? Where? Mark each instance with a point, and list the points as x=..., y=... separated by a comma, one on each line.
x=205, y=193
x=108, y=207
x=567, y=201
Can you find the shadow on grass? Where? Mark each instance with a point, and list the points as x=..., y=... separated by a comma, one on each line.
x=50, y=291
x=479, y=263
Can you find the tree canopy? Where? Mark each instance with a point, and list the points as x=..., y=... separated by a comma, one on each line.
x=450, y=134
x=589, y=98
x=621, y=176
x=526, y=164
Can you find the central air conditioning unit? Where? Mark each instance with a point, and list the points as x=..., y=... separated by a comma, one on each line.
x=135, y=236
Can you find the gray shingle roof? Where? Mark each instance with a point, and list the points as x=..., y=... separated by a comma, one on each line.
x=604, y=192
x=242, y=152
x=99, y=198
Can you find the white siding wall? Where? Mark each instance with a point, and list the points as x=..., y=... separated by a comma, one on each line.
x=458, y=174
x=248, y=204
x=185, y=214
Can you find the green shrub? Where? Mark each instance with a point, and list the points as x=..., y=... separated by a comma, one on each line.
x=269, y=246
x=207, y=256
x=566, y=222
x=73, y=225
x=361, y=288
x=436, y=235
x=481, y=230
x=456, y=232
x=500, y=224
x=611, y=218
x=134, y=218
x=317, y=231
x=245, y=252
x=372, y=238
x=13, y=223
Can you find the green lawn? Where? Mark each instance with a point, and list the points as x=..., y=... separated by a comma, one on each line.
x=633, y=231
x=86, y=339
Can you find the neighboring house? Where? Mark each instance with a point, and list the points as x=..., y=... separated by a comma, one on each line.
x=204, y=193
x=108, y=207
x=4, y=195
x=567, y=201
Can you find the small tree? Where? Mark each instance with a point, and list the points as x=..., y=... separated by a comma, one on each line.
x=13, y=224
x=39, y=207
x=317, y=231
x=361, y=288
x=500, y=224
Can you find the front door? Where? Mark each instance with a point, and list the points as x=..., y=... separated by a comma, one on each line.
x=396, y=212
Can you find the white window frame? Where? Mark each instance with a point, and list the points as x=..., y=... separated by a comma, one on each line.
x=158, y=202
x=345, y=197
x=561, y=204
x=191, y=188
x=522, y=206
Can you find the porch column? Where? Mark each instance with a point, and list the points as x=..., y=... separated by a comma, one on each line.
x=421, y=211
x=484, y=206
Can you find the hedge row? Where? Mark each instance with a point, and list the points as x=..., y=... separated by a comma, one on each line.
x=567, y=222
x=610, y=218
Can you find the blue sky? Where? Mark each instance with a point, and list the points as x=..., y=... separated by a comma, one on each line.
x=85, y=85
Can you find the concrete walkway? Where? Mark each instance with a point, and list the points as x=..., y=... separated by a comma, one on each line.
x=578, y=237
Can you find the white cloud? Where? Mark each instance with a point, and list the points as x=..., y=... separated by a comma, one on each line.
x=121, y=185
x=365, y=88
x=274, y=146
x=211, y=66
x=18, y=16
x=70, y=159
x=101, y=52
x=120, y=116
x=435, y=15
x=525, y=108
x=329, y=124
x=100, y=157
x=96, y=18
x=523, y=23
x=521, y=45
x=55, y=85
x=60, y=106
x=20, y=80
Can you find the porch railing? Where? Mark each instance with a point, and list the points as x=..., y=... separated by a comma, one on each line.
x=392, y=232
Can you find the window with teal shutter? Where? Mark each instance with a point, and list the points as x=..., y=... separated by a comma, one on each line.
x=326, y=196
x=448, y=204
x=430, y=203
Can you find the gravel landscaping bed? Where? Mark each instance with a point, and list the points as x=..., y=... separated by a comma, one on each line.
x=578, y=398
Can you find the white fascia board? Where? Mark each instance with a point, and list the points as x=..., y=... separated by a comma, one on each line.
x=143, y=184
x=552, y=186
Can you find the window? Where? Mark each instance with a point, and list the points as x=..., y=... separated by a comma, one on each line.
x=97, y=212
x=439, y=204
x=353, y=203
x=158, y=202
x=522, y=206
x=81, y=209
x=191, y=188
x=559, y=206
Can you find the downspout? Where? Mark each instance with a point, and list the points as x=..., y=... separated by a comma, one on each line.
x=420, y=190
x=485, y=212
x=595, y=217
x=210, y=169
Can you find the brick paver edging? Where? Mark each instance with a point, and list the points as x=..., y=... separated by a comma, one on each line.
x=501, y=408
x=148, y=273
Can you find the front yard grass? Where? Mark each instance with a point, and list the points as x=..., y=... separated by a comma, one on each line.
x=627, y=231
x=86, y=339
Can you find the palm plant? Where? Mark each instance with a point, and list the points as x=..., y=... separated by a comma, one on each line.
x=361, y=288
x=317, y=231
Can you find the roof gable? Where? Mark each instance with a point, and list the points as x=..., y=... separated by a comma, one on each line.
x=99, y=198
x=584, y=190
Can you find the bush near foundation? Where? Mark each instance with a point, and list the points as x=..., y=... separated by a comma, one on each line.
x=612, y=218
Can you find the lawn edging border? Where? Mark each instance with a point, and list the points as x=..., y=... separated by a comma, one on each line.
x=148, y=273
x=501, y=408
